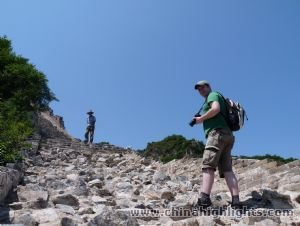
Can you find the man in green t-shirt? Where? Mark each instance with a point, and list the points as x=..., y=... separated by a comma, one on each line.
x=220, y=140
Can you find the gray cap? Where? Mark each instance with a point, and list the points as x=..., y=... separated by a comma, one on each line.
x=201, y=83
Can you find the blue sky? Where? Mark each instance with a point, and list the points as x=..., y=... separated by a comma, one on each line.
x=135, y=63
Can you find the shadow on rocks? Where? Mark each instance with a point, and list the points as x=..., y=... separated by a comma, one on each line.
x=269, y=200
x=4, y=215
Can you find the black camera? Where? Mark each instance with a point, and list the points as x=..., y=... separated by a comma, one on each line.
x=193, y=122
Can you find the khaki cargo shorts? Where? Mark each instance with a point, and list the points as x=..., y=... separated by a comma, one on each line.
x=217, y=151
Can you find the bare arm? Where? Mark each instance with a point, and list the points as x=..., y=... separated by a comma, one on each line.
x=212, y=112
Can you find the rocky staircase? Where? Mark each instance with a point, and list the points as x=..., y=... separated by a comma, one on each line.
x=76, y=144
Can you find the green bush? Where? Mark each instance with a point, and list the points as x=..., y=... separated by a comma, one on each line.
x=276, y=158
x=15, y=128
x=173, y=147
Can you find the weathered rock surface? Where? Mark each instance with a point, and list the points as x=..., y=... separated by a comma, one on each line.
x=69, y=183
x=9, y=178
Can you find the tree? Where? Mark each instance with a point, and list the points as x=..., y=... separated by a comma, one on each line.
x=21, y=82
x=23, y=91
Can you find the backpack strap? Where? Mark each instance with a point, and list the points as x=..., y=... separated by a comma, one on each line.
x=220, y=110
x=225, y=102
x=201, y=108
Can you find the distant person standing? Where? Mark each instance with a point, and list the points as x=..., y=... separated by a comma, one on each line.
x=89, y=132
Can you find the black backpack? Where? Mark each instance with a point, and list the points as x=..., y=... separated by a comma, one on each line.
x=235, y=114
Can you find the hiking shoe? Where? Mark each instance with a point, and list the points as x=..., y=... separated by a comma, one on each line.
x=204, y=202
x=237, y=205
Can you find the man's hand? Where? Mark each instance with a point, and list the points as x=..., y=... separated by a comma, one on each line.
x=199, y=119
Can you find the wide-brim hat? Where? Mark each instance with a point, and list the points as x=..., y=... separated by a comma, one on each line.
x=90, y=112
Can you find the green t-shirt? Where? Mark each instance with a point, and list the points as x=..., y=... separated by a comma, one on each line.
x=218, y=121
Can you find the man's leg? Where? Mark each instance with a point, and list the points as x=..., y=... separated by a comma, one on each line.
x=211, y=157
x=86, y=135
x=207, y=180
x=91, y=135
x=210, y=160
x=207, y=183
x=232, y=184
x=225, y=169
